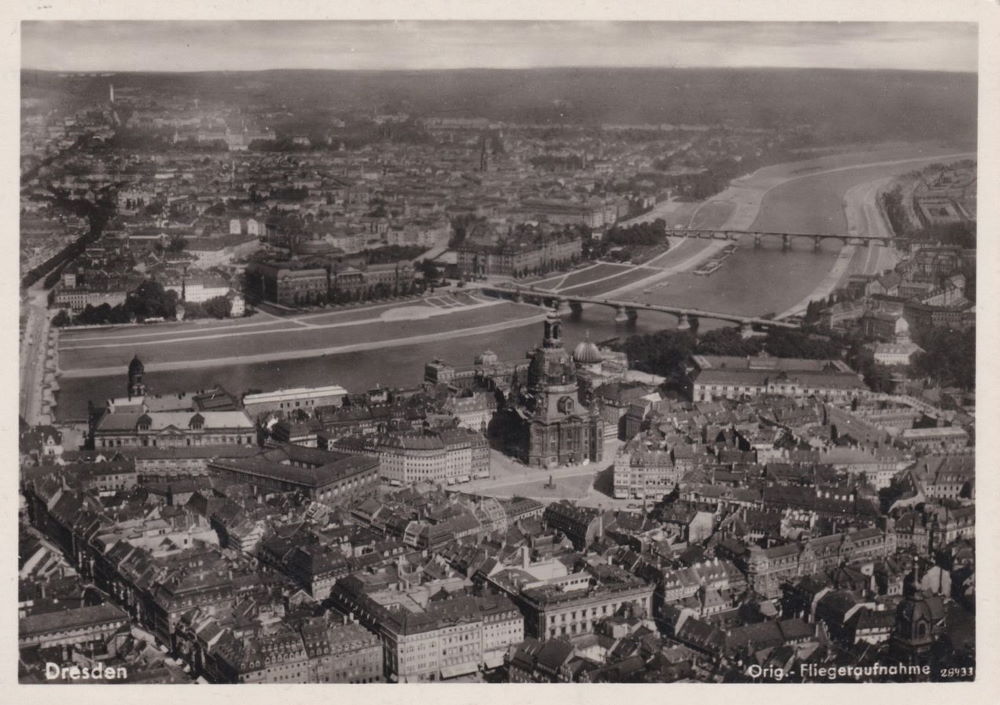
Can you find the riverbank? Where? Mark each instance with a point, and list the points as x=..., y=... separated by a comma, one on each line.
x=752, y=282
x=315, y=352
x=864, y=217
x=742, y=202
x=183, y=345
x=857, y=224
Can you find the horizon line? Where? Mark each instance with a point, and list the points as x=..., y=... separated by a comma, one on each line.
x=507, y=68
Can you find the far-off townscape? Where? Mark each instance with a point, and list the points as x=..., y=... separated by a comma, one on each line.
x=497, y=352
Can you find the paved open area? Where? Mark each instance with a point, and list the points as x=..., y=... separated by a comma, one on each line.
x=587, y=484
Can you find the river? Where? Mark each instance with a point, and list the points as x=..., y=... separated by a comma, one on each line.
x=752, y=281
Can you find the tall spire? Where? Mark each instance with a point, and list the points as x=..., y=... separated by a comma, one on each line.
x=136, y=387
x=552, y=332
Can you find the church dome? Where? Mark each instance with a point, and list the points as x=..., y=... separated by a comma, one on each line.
x=586, y=353
x=135, y=367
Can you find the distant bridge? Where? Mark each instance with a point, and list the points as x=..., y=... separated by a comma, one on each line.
x=785, y=238
x=629, y=310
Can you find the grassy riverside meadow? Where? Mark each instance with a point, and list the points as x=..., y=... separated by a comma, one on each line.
x=281, y=339
x=751, y=282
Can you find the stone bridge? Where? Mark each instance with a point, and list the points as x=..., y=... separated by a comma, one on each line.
x=785, y=238
x=629, y=310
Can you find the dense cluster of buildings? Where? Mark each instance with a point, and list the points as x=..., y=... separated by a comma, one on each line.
x=792, y=502
x=448, y=455
x=945, y=196
x=313, y=280
x=925, y=290
x=210, y=194
x=314, y=535
x=721, y=377
x=781, y=516
x=764, y=535
x=486, y=253
x=430, y=629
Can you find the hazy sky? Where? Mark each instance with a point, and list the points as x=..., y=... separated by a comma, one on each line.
x=201, y=46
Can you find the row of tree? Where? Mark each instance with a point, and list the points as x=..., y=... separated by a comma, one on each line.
x=216, y=307
x=148, y=300
x=645, y=233
x=547, y=267
x=623, y=243
x=97, y=213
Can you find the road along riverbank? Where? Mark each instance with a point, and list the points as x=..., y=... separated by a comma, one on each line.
x=751, y=282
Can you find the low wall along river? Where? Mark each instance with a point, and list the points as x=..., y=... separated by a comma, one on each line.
x=798, y=197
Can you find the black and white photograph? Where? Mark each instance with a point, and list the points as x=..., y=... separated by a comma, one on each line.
x=495, y=351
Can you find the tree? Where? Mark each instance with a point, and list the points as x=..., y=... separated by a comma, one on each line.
x=118, y=314
x=782, y=342
x=430, y=270
x=61, y=319
x=728, y=341
x=949, y=357
x=461, y=225
x=94, y=316
x=176, y=244
x=813, y=309
x=151, y=300
x=664, y=353
x=193, y=310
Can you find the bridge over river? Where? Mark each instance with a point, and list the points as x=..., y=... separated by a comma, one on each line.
x=786, y=238
x=629, y=310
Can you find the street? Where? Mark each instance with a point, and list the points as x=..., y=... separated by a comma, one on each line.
x=34, y=347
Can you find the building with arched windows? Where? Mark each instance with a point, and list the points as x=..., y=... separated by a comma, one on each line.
x=546, y=425
x=138, y=428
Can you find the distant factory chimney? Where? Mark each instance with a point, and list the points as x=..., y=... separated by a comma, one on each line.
x=111, y=92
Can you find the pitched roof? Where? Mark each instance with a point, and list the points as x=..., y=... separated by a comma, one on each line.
x=38, y=624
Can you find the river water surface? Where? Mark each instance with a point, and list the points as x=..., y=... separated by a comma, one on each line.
x=753, y=281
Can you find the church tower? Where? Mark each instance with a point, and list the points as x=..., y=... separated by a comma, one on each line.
x=136, y=387
x=560, y=430
x=920, y=620
x=550, y=364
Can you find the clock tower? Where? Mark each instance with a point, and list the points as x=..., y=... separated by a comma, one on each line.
x=561, y=430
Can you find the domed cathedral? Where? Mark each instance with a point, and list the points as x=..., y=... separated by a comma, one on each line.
x=136, y=387
x=549, y=424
